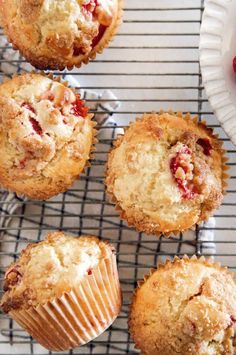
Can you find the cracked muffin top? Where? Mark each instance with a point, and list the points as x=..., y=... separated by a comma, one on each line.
x=185, y=307
x=46, y=136
x=49, y=268
x=54, y=34
x=166, y=173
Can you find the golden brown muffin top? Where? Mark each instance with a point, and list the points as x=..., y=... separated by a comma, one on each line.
x=165, y=173
x=58, y=33
x=46, y=135
x=185, y=307
x=50, y=268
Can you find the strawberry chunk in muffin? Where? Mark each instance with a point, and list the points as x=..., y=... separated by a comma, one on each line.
x=182, y=167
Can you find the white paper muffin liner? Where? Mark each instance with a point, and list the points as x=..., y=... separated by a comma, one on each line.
x=77, y=316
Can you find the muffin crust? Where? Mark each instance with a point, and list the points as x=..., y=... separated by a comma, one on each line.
x=185, y=307
x=55, y=34
x=50, y=268
x=46, y=136
x=166, y=173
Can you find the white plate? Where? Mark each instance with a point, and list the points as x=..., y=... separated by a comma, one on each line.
x=217, y=50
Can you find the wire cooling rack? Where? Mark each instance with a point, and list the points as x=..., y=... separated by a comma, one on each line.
x=151, y=65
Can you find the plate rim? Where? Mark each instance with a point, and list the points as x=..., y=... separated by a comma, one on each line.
x=213, y=78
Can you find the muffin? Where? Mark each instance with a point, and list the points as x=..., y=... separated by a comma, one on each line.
x=166, y=173
x=64, y=291
x=185, y=307
x=46, y=135
x=55, y=34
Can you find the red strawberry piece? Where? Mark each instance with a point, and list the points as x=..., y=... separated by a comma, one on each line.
x=36, y=126
x=28, y=106
x=206, y=145
x=78, y=51
x=79, y=108
x=233, y=319
x=188, y=192
x=22, y=163
x=234, y=64
x=12, y=277
x=91, y=6
x=98, y=38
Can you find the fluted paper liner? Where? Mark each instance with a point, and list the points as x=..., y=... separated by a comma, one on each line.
x=77, y=316
x=225, y=176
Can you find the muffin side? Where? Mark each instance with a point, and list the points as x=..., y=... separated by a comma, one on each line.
x=51, y=267
x=187, y=306
x=46, y=136
x=161, y=176
x=62, y=33
x=64, y=291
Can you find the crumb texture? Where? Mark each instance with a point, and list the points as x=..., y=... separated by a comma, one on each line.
x=185, y=307
x=46, y=136
x=49, y=268
x=166, y=173
x=59, y=33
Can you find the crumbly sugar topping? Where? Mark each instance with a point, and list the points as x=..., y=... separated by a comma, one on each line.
x=42, y=117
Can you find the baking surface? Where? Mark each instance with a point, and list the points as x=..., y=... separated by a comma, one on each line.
x=151, y=65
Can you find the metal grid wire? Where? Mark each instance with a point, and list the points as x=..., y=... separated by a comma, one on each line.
x=152, y=64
